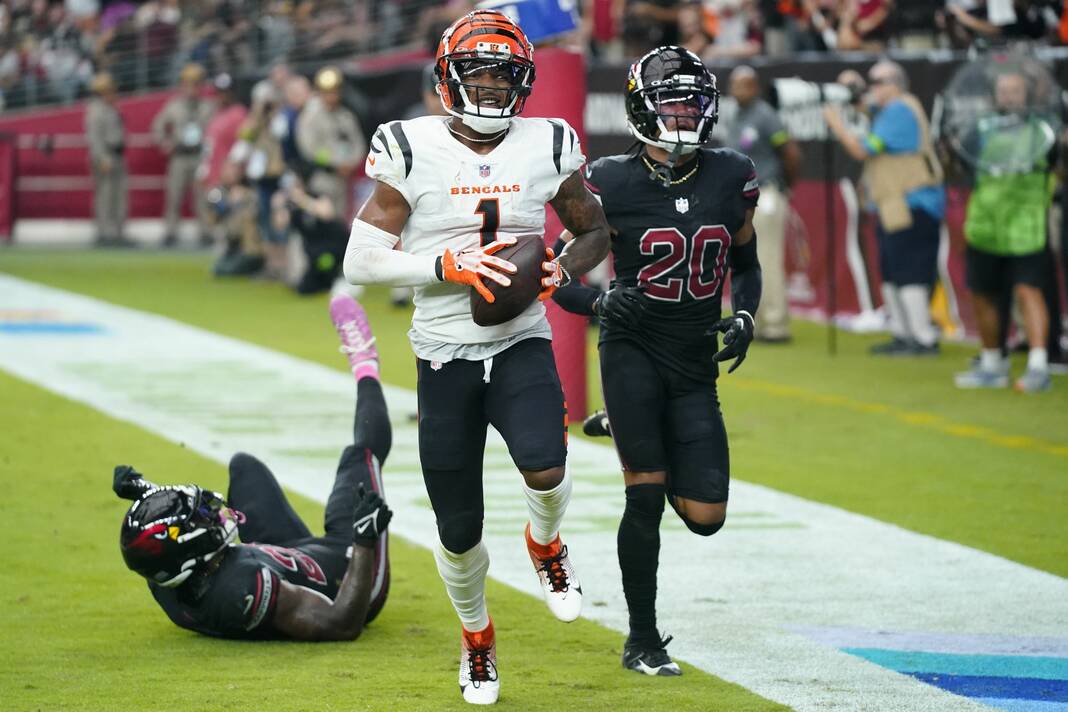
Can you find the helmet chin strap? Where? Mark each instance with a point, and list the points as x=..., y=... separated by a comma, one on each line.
x=662, y=172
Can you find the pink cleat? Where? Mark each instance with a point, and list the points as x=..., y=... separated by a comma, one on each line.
x=357, y=341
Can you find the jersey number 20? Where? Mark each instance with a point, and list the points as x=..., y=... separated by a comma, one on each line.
x=703, y=254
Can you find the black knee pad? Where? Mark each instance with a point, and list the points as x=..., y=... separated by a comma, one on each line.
x=646, y=500
x=702, y=529
x=460, y=532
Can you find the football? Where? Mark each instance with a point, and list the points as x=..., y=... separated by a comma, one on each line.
x=526, y=254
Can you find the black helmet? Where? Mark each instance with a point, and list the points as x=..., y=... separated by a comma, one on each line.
x=169, y=531
x=658, y=85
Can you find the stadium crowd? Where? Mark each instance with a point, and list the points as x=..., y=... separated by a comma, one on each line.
x=50, y=49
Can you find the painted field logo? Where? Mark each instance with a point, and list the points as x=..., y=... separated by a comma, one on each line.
x=44, y=321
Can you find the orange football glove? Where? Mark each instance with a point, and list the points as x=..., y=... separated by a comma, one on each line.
x=470, y=265
x=555, y=275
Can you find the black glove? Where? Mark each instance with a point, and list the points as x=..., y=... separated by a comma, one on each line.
x=738, y=334
x=130, y=484
x=370, y=518
x=621, y=305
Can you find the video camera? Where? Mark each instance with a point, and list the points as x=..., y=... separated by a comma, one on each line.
x=793, y=93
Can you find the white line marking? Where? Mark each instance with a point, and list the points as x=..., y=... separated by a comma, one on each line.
x=733, y=601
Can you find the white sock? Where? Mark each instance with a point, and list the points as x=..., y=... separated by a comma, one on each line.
x=894, y=311
x=916, y=301
x=990, y=359
x=547, y=509
x=1037, y=360
x=465, y=582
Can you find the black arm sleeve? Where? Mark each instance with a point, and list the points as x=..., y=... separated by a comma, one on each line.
x=746, y=278
x=576, y=297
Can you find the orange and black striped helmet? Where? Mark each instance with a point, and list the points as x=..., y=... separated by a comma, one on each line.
x=484, y=41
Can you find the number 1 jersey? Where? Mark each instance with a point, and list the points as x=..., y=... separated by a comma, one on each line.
x=673, y=244
x=458, y=199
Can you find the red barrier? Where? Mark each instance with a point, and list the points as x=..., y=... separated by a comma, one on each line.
x=53, y=160
x=565, y=99
x=7, y=186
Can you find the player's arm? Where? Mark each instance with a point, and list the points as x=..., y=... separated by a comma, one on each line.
x=370, y=257
x=619, y=304
x=746, y=285
x=582, y=215
x=305, y=615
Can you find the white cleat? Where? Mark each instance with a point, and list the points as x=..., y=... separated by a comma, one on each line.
x=559, y=582
x=478, y=667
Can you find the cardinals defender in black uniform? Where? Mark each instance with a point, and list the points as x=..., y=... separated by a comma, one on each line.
x=681, y=214
x=282, y=582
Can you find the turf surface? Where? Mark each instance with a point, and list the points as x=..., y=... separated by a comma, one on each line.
x=81, y=632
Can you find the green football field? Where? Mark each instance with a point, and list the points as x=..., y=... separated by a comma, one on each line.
x=892, y=440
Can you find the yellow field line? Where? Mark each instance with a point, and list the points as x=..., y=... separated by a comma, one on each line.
x=917, y=418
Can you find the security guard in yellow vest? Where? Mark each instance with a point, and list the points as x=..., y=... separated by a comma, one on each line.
x=330, y=139
x=179, y=131
x=106, y=137
x=903, y=181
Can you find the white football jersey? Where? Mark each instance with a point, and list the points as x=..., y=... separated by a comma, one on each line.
x=459, y=198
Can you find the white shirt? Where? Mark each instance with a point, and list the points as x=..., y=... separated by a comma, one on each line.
x=455, y=194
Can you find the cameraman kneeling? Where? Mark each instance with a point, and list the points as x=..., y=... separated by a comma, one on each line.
x=322, y=232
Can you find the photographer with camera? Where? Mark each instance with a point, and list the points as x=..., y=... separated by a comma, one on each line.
x=323, y=232
x=903, y=180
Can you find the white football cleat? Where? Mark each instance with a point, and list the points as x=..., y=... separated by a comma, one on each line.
x=478, y=667
x=559, y=582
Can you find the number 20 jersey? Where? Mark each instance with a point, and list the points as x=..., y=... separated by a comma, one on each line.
x=673, y=244
x=459, y=198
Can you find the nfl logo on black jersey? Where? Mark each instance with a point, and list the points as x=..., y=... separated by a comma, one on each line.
x=682, y=204
x=484, y=170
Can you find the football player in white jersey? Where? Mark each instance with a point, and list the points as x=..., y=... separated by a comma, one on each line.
x=451, y=191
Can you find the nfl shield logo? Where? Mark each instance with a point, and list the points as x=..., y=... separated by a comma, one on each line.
x=682, y=204
x=484, y=170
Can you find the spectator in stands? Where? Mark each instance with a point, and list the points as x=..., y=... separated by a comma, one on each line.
x=903, y=179
x=996, y=22
x=738, y=31
x=864, y=25
x=158, y=22
x=601, y=20
x=696, y=28
x=179, y=132
x=751, y=126
x=106, y=137
x=330, y=139
x=220, y=133
x=1006, y=233
x=648, y=24
x=62, y=57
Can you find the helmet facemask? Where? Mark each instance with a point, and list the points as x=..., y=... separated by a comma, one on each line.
x=171, y=531
x=672, y=101
x=485, y=103
x=675, y=115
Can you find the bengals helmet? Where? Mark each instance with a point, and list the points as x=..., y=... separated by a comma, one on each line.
x=171, y=531
x=484, y=41
x=665, y=85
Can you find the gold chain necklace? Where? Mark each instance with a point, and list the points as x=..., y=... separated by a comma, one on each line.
x=652, y=169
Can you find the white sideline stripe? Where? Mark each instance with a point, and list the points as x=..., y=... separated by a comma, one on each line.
x=733, y=601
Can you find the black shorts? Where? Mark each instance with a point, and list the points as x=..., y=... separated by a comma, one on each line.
x=662, y=420
x=517, y=392
x=910, y=256
x=988, y=273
